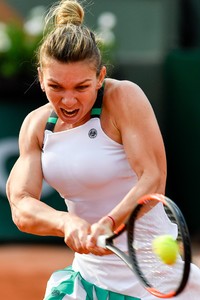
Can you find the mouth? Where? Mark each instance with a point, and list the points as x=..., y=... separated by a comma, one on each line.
x=69, y=113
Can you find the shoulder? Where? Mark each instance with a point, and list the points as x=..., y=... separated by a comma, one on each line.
x=38, y=116
x=33, y=126
x=125, y=98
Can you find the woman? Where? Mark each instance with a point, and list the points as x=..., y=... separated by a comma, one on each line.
x=96, y=142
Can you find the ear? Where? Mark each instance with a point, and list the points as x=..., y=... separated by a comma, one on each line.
x=101, y=76
x=40, y=77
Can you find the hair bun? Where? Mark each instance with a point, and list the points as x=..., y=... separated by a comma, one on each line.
x=69, y=11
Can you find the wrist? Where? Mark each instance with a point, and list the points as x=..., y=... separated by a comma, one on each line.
x=112, y=221
x=109, y=220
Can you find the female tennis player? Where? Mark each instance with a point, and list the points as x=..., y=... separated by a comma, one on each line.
x=96, y=142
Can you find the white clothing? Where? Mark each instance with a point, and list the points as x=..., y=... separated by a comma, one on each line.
x=91, y=172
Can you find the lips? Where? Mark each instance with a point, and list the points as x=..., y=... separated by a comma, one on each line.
x=69, y=113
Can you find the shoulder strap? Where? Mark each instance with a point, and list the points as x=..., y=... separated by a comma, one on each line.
x=51, y=122
x=97, y=107
x=96, y=111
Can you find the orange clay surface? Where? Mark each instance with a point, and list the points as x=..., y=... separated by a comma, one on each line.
x=25, y=269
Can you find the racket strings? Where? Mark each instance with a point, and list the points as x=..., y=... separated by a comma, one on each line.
x=155, y=272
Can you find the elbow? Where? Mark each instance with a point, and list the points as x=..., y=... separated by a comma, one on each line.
x=155, y=181
x=160, y=181
x=19, y=212
x=20, y=216
x=16, y=213
x=19, y=220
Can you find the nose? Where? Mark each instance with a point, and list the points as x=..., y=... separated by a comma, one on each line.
x=69, y=100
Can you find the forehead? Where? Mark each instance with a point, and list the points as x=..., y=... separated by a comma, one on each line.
x=73, y=72
x=78, y=69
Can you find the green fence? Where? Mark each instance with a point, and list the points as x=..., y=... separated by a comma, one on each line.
x=145, y=31
x=183, y=131
x=12, y=112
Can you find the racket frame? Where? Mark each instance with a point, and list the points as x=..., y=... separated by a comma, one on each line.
x=131, y=259
x=183, y=231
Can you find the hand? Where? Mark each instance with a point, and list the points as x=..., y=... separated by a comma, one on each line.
x=103, y=227
x=76, y=231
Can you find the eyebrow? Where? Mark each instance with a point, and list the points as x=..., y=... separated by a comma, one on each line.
x=79, y=83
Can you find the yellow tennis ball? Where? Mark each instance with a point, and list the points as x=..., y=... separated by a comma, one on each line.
x=166, y=248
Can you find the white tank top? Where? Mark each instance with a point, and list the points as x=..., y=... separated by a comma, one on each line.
x=91, y=172
x=87, y=168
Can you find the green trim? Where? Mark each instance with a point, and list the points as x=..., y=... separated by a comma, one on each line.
x=67, y=288
x=52, y=120
x=96, y=111
x=102, y=294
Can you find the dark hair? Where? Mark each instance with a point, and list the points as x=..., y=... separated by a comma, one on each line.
x=68, y=39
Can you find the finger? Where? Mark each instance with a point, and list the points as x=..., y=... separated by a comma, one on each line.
x=91, y=241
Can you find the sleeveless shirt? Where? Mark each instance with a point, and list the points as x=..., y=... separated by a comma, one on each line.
x=88, y=169
x=91, y=172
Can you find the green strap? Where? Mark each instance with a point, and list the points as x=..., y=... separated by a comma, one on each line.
x=52, y=120
x=96, y=111
x=97, y=107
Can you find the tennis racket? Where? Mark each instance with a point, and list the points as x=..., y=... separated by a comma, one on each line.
x=155, y=215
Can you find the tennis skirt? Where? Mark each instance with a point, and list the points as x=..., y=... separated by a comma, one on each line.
x=68, y=284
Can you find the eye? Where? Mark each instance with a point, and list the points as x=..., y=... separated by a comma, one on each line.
x=82, y=87
x=54, y=86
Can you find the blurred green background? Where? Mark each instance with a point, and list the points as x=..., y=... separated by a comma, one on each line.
x=157, y=46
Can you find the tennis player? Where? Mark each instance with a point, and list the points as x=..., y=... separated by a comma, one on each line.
x=96, y=142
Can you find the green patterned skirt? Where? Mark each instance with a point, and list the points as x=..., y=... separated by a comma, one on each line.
x=68, y=284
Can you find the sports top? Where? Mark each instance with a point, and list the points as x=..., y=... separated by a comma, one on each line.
x=88, y=169
x=91, y=172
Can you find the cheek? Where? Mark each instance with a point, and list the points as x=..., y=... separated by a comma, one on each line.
x=88, y=101
x=52, y=97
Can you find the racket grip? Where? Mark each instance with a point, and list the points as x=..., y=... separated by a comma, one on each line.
x=101, y=241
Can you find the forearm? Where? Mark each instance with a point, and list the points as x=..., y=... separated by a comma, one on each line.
x=33, y=216
x=146, y=184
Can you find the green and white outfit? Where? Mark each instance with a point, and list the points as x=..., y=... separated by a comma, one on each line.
x=92, y=174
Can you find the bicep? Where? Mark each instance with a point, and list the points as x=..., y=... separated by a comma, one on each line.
x=145, y=150
x=25, y=179
x=142, y=139
x=26, y=175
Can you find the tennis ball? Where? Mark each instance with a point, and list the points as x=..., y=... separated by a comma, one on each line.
x=166, y=248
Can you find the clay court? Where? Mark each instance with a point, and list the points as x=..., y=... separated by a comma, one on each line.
x=25, y=269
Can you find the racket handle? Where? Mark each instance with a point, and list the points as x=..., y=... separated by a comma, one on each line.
x=101, y=241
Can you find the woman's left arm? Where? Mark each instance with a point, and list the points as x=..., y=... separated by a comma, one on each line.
x=137, y=129
x=144, y=147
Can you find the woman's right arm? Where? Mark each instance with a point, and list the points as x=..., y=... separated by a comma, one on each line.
x=24, y=187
